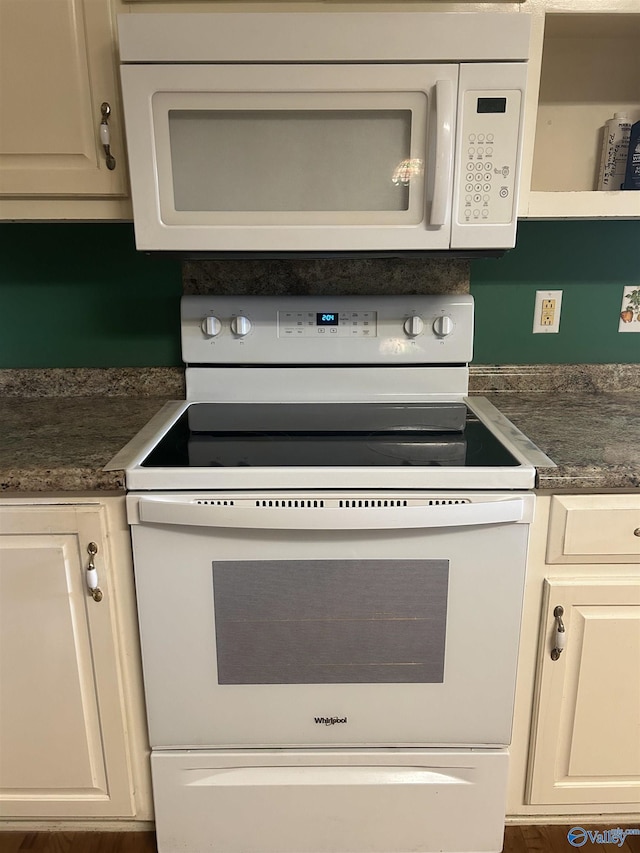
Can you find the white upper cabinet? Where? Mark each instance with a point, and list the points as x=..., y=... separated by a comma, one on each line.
x=57, y=67
x=585, y=66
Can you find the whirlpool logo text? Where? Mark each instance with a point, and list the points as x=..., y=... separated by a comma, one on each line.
x=329, y=721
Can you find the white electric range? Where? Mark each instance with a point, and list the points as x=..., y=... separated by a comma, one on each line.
x=330, y=547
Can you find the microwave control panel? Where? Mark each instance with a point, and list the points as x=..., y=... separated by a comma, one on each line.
x=489, y=133
x=488, y=156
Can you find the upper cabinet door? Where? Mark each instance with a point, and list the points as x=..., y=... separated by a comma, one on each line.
x=57, y=67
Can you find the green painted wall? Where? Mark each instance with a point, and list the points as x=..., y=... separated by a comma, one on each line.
x=590, y=262
x=79, y=295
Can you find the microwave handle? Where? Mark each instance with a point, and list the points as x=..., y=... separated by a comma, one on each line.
x=166, y=511
x=441, y=205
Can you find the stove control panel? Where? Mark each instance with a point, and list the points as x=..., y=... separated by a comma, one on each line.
x=310, y=324
x=327, y=330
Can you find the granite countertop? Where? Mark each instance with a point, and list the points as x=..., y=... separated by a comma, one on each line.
x=57, y=438
x=594, y=439
x=55, y=444
x=586, y=417
x=60, y=427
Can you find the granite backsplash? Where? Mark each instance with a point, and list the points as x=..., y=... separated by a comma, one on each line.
x=326, y=276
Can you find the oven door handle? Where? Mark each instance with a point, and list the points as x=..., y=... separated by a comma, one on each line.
x=166, y=511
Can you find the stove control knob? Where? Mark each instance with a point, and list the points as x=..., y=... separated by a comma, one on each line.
x=413, y=326
x=241, y=326
x=211, y=326
x=443, y=326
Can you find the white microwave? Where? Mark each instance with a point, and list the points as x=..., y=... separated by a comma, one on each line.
x=314, y=132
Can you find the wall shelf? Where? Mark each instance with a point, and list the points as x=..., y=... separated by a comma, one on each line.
x=590, y=69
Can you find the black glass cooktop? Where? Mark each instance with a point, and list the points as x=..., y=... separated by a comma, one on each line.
x=232, y=435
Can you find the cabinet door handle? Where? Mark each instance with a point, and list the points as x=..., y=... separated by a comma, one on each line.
x=636, y=532
x=92, y=573
x=105, y=136
x=560, y=635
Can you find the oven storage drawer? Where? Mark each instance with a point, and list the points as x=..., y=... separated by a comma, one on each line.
x=347, y=801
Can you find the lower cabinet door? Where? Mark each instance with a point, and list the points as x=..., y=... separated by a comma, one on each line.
x=330, y=800
x=586, y=743
x=63, y=747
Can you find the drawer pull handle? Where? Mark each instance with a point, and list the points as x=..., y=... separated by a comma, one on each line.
x=92, y=573
x=560, y=637
x=636, y=532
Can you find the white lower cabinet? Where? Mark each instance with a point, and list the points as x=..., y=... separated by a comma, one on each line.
x=72, y=732
x=586, y=739
x=576, y=746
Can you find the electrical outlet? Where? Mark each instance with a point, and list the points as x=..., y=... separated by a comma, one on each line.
x=546, y=314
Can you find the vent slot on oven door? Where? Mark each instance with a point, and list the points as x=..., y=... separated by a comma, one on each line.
x=291, y=503
x=324, y=503
x=330, y=621
x=353, y=503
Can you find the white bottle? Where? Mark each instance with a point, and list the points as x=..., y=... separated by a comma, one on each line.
x=615, y=147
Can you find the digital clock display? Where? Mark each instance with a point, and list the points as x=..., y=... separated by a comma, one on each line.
x=492, y=105
x=326, y=319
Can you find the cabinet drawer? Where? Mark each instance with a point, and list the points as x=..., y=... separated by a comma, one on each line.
x=594, y=529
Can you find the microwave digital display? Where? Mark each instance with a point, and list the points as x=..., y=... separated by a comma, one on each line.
x=492, y=105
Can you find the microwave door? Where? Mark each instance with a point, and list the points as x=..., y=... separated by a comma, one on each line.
x=257, y=158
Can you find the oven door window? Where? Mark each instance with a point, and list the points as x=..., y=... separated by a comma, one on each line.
x=330, y=621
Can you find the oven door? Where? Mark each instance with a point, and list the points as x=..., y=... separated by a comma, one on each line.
x=329, y=619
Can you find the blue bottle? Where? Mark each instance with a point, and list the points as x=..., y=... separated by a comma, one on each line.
x=632, y=173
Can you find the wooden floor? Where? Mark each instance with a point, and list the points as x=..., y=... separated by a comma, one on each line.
x=518, y=839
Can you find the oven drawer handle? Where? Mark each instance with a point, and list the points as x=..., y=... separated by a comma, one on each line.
x=160, y=511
